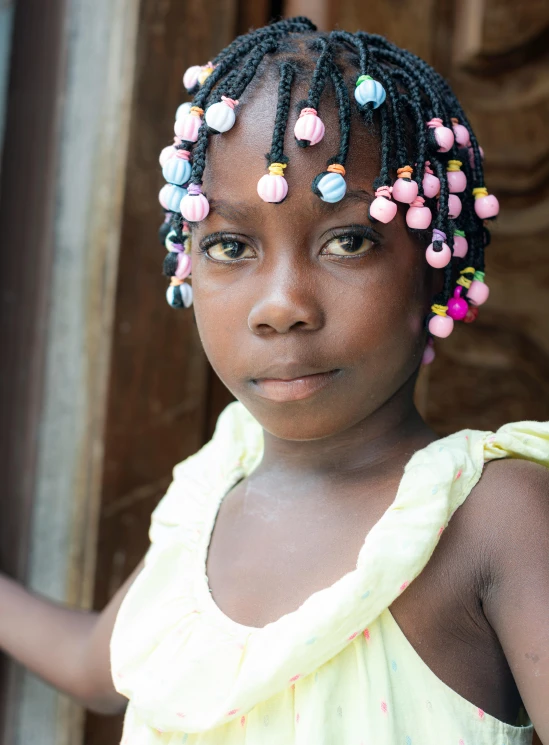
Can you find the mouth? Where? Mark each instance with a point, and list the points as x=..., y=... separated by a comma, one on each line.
x=284, y=389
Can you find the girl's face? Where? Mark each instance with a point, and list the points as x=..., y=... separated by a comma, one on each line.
x=309, y=313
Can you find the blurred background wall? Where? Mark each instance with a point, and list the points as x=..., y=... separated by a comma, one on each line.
x=103, y=387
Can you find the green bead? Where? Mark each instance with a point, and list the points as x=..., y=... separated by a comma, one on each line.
x=479, y=276
x=460, y=233
x=362, y=78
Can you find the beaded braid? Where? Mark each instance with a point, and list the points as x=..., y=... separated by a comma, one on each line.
x=273, y=187
x=409, y=99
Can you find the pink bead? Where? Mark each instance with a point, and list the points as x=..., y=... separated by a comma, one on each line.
x=404, y=190
x=438, y=259
x=443, y=135
x=441, y=326
x=460, y=246
x=418, y=216
x=184, y=266
x=272, y=188
x=461, y=134
x=457, y=181
x=194, y=207
x=190, y=78
x=431, y=185
x=478, y=292
x=309, y=127
x=383, y=209
x=187, y=127
x=428, y=353
x=487, y=207
x=454, y=206
x=457, y=306
x=166, y=153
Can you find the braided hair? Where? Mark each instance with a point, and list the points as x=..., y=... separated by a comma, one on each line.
x=429, y=153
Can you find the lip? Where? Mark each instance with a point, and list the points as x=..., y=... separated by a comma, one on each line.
x=283, y=390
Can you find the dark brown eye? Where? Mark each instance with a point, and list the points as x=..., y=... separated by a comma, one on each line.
x=229, y=251
x=348, y=245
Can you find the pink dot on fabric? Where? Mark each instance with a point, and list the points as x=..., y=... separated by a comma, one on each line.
x=404, y=585
x=461, y=742
x=466, y=437
x=458, y=474
x=179, y=714
x=231, y=713
x=297, y=718
x=441, y=530
x=384, y=707
x=492, y=438
x=353, y=636
x=480, y=714
x=242, y=721
x=295, y=677
x=366, y=633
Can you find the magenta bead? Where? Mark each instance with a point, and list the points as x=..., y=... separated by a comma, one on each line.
x=309, y=128
x=187, y=127
x=190, y=78
x=428, y=353
x=194, y=207
x=457, y=181
x=487, y=207
x=404, y=190
x=445, y=139
x=383, y=209
x=461, y=133
x=454, y=206
x=418, y=217
x=431, y=185
x=441, y=326
x=478, y=292
x=184, y=266
x=438, y=259
x=272, y=188
x=460, y=246
x=166, y=153
x=457, y=306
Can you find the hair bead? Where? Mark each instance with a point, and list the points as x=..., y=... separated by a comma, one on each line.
x=404, y=189
x=190, y=78
x=486, y=205
x=418, y=216
x=188, y=125
x=179, y=294
x=457, y=306
x=431, y=183
x=273, y=187
x=443, y=135
x=457, y=181
x=165, y=154
x=331, y=186
x=170, y=196
x=478, y=292
x=438, y=253
x=369, y=91
x=440, y=324
x=194, y=206
x=220, y=116
x=383, y=209
x=205, y=72
x=184, y=266
x=183, y=109
x=461, y=133
x=460, y=244
x=177, y=170
x=428, y=353
x=309, y=128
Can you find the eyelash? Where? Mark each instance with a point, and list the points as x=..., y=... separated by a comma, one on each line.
x=359, y=231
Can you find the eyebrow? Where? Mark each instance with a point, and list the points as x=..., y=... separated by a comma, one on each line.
x=240, y=210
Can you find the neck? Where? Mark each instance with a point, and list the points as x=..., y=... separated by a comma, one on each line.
x=389, y=435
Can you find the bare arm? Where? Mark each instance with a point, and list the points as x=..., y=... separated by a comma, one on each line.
x=517, y=603
x=67, y=648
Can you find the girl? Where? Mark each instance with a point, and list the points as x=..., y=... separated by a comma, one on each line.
x=318, y=286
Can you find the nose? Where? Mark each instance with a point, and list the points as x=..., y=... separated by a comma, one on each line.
x=286, y=304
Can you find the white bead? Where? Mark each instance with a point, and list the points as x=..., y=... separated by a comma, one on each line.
x=182, y=110
x=220, y=117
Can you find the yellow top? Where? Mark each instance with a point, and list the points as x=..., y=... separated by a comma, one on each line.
x=338, y=670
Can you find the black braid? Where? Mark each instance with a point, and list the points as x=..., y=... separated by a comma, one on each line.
x=344, y=114
x=276, y=154
x=384, y=178
x=320, y=74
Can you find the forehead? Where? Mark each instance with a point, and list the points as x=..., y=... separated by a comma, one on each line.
x=235, y=161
